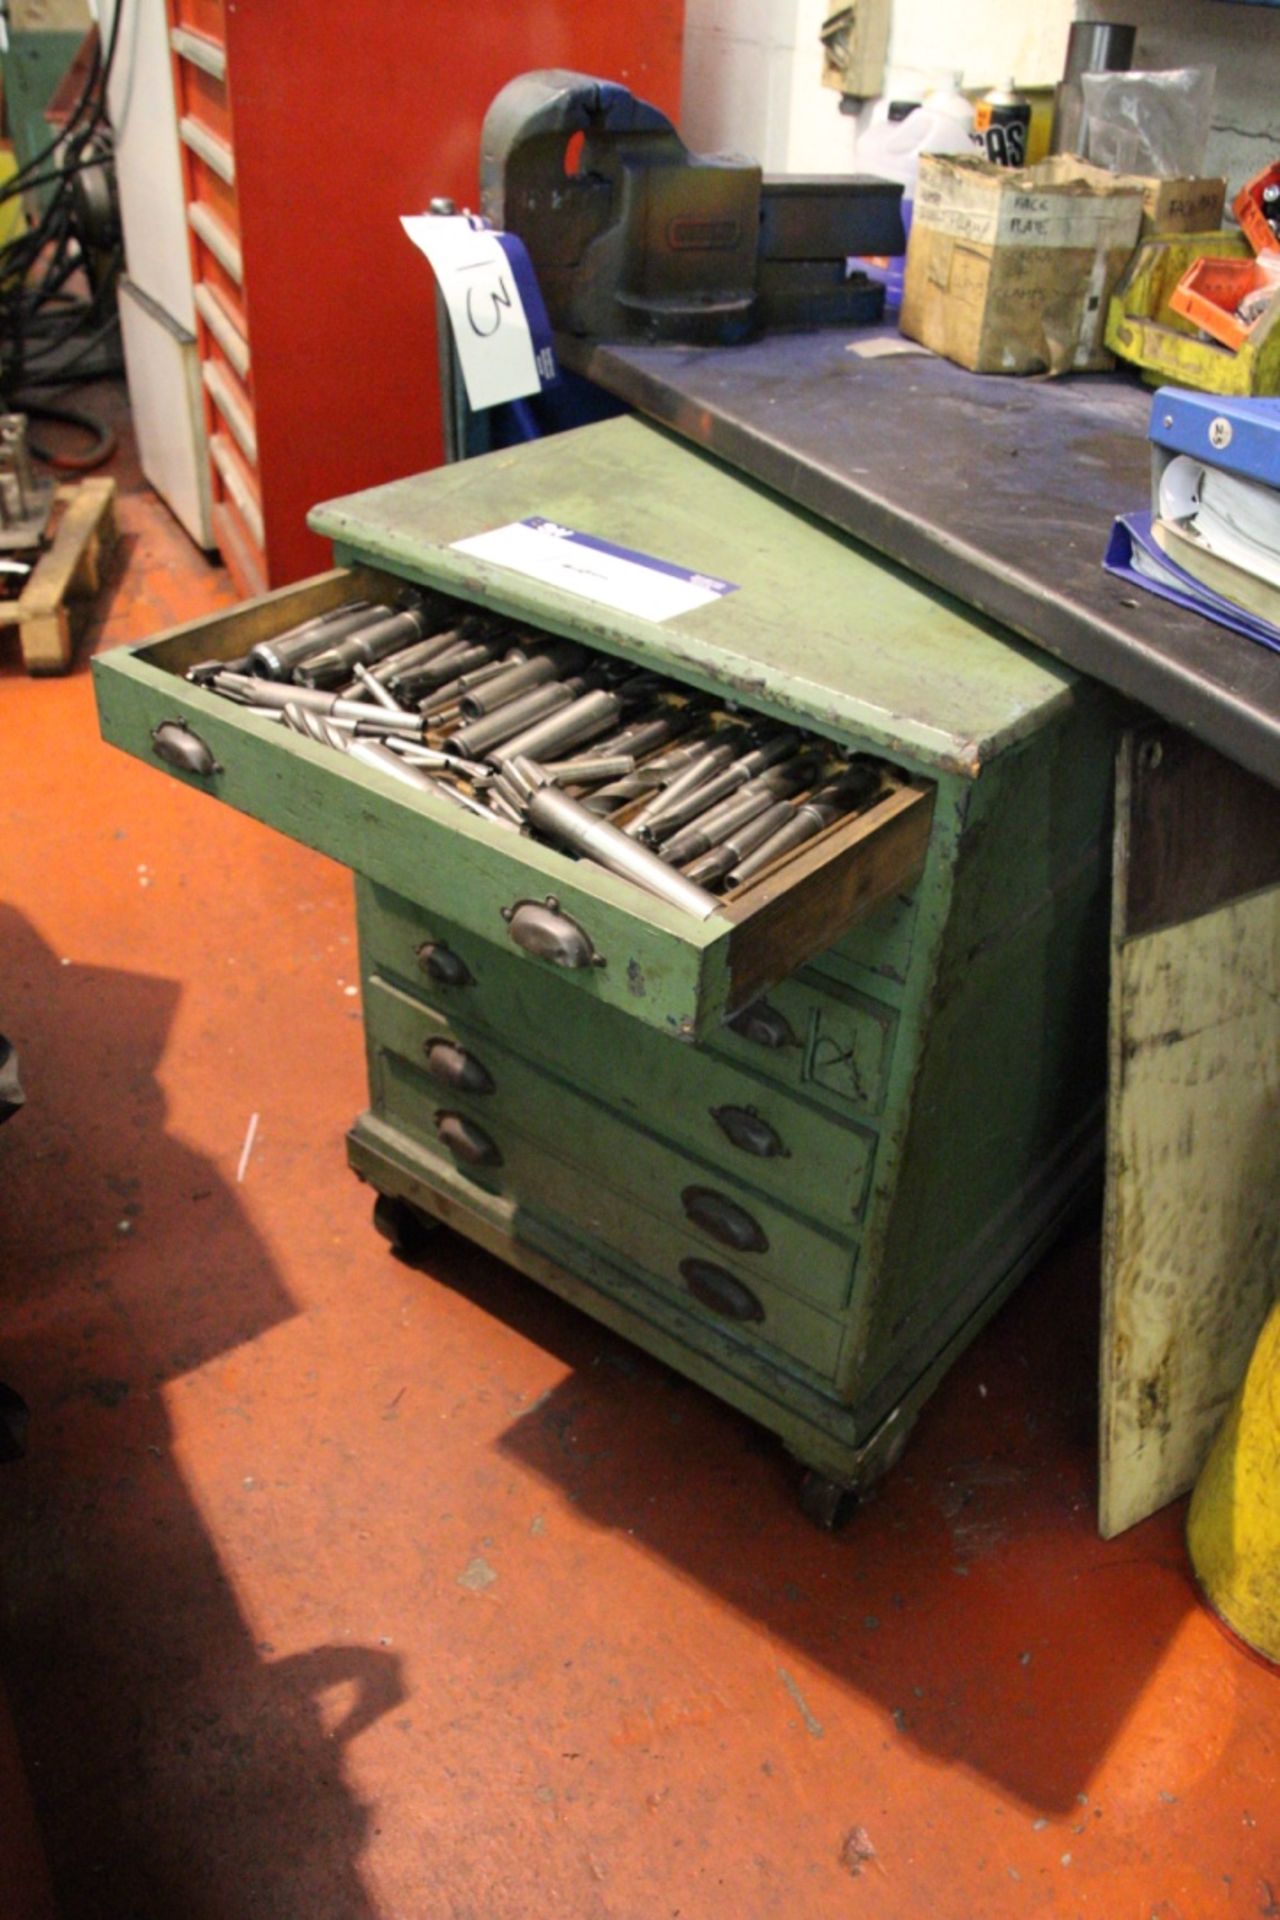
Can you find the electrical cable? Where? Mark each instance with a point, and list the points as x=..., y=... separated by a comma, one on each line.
x=103, y=438
x=90, y=340
x=99, y=71
x=40, y=318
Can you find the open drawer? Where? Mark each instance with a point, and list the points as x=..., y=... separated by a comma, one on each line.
x=649, y=959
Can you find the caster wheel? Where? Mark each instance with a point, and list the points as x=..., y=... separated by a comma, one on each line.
x=826, y=1502
x=402, y=1226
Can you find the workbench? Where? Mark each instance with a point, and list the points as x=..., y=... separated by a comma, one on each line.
x=1002, y=491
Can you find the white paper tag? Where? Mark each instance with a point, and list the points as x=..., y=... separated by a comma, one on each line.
x=490, y=327
x=594, y=569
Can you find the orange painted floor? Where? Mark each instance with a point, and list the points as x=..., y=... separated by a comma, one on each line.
x=334, y=1590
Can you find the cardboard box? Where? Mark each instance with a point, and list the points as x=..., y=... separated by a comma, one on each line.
x=1011, y=272
x=1181, y=206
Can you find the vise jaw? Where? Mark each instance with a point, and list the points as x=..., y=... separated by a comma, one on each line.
x=632, y=237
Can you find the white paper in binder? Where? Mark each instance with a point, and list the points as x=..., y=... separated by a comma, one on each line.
x=1239, y=520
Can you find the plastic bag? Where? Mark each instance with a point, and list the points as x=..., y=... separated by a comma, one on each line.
x=1148, y=122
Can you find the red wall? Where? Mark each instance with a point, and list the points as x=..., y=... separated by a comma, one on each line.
x=345, y=118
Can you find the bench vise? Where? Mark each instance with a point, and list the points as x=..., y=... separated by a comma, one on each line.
x=632, y=237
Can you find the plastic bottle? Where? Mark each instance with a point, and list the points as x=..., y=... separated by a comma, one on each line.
x=1002, y=126
x=891, y=149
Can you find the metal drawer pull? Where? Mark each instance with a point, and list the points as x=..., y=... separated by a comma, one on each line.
x=453, y=1066
x=743, y=1127
x=466, y=1141
x=724, y=1220
x=178, y=745
x=441, y=964
x=542, y=930
x=720, y=1291
x=764, y=1025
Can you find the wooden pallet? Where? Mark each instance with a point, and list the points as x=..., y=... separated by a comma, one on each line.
x=67, y=574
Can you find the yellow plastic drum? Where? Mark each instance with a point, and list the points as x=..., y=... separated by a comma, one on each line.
x=1233, y=1528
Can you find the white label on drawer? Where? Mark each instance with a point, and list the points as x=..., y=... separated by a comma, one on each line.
x=499, y=323
x=595, y=569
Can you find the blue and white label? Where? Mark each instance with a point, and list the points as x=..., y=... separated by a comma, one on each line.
x=596, y=570
x=499, y=321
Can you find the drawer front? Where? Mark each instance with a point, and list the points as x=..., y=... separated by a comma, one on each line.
x=816, y=1162
x=717, y=1215
x=819, y=1037
x=709, y=1281
x=656, y=962
x=882, y=943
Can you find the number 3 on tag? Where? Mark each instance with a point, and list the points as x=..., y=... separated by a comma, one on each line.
x=490, y=327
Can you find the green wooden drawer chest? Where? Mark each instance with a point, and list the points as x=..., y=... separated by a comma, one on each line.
x=803, y=1148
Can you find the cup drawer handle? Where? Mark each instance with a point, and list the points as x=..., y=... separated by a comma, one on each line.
x=724, y=1220
x=454, y=1067
x=744, y=1128
x=763, y=1025
x=466, y=1141
x=548, y=934
x=440, y=963
x=720, y=1291
x=180, y=746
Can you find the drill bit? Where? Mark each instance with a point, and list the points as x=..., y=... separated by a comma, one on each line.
x=713, y=760
x=581, y=720
x=692, y=805
x=712, y=866
x=720, y=821
x=562, y=819
x=275, y=659
x=519, y=677
x=589, y=768
x=315, y=726
x=849, y=794
x=376, y=691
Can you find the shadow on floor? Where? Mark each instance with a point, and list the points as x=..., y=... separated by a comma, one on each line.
x=970, y=1597
x=176, y=1768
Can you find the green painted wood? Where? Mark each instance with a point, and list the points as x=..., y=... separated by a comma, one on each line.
x=820, y=629
x=759, y=1381
x=998, y=1116
x=34, y=65
x=879, y=946
x=842, y=1047
x=938, y=1078
x=611, y=1161
x=542, y=1186
x=671, y=1091
x=853, y=1444
x=662, y=967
